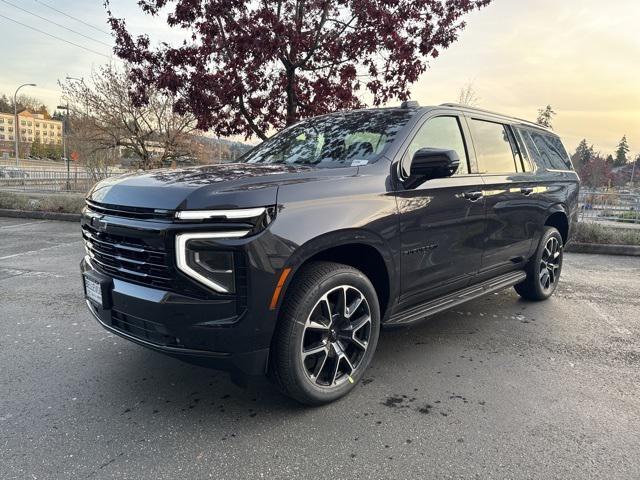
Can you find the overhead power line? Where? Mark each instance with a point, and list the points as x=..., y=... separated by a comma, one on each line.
x=55, y=23
x=54, y=36
x=73, y=18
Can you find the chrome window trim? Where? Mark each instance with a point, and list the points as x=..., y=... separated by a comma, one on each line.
x=228, y=214
x=181, y=254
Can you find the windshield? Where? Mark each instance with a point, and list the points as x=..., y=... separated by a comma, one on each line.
x=331, y=141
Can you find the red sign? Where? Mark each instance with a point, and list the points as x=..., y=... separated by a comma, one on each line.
x=75, y=156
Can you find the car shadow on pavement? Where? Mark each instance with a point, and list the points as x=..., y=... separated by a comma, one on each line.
x=157, y=384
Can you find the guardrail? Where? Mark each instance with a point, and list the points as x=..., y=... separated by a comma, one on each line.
x=609, y=207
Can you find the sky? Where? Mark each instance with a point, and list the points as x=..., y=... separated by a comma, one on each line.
x=580, y=56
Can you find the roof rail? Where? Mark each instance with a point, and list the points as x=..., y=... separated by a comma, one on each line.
x=476, y=109
x=468, y=107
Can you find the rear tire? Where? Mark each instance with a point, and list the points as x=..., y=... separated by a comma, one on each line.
x=327, y=333
x=543, y=270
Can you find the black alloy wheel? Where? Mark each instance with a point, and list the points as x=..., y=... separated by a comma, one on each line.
x=327, y=333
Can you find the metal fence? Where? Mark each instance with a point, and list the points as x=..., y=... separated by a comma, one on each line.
x=621, y=208
x=52, y=178
x=610, y=207
x=32, y=162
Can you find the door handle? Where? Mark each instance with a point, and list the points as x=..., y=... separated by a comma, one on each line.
x=473, y=196
x=526, y=190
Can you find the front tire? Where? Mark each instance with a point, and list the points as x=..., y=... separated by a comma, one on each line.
x=327, y=333
x=543, y=271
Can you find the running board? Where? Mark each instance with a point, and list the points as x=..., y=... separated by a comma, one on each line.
x=454, y=299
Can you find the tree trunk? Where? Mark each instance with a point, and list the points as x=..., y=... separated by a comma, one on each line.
x=292, y=99
x=249, y=119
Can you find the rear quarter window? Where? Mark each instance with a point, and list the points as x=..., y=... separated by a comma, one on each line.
x=546, y=150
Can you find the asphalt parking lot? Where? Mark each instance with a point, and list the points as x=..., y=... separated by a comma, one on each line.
x=499, y=388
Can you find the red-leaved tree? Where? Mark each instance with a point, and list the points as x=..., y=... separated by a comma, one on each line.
x=596, y=172
x=249, y=66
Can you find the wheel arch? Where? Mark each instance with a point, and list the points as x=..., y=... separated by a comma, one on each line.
x=362, y=250
x=557, y=217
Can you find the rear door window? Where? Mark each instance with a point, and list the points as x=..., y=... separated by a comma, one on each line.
x=546, y=150
x=494, y=150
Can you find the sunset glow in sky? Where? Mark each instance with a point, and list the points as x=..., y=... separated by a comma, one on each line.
x=580, y=56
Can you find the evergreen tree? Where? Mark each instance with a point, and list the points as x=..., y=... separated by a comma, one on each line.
x=545, y=116
x=38, y=149
x=609, y=160
x=584, y=153
x=5, y=105
x=54, y=151
x=621, y=153
x=44, y=111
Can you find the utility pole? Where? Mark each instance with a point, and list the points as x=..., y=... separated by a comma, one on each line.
x=15, y=113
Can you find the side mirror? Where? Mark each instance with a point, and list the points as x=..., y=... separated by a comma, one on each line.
x=430, y=163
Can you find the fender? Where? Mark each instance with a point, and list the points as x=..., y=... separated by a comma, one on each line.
x=340, y=238
x=557, y=208
x=570, y=216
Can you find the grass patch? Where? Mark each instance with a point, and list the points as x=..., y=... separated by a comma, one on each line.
x=586, y=232
x=42, y=202
x=628, y=216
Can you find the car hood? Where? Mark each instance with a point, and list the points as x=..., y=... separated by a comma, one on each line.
x=239, y=185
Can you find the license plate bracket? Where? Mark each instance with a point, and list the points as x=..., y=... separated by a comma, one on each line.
x=97, y=289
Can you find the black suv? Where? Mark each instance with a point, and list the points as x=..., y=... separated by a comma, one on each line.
x=290, y=261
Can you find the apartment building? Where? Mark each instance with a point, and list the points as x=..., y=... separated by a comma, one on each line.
x=32, y=127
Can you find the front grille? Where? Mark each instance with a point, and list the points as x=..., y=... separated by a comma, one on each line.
x=129, y=212
x=127, y=258
x=143, y=329
x=139, y=250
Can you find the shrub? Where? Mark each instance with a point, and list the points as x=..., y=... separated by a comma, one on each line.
x=586, y=232
x=53, y=202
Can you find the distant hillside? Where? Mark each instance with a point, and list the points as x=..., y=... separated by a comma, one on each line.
x=217, y=150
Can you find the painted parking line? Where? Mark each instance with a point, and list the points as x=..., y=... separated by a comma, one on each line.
x=39, y=250
x=20, y=225
x=6, y=273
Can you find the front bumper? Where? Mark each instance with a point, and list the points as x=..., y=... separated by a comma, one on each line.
x=191, y=329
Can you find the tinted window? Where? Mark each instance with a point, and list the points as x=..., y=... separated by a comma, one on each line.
x=440, y=132
x=493, y=147
x=546, y=150
x=331, y=141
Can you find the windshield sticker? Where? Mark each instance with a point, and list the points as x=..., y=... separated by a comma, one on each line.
x=358, y=163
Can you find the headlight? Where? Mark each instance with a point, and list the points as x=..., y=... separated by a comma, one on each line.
x=197, y=257
x=239, y=213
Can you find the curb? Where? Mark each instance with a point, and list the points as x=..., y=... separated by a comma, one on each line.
x=631, y=250
x=66, y=217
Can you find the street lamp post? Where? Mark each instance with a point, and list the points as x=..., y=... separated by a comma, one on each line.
x=64, y=141
x=65, y=128
x=15, y=113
